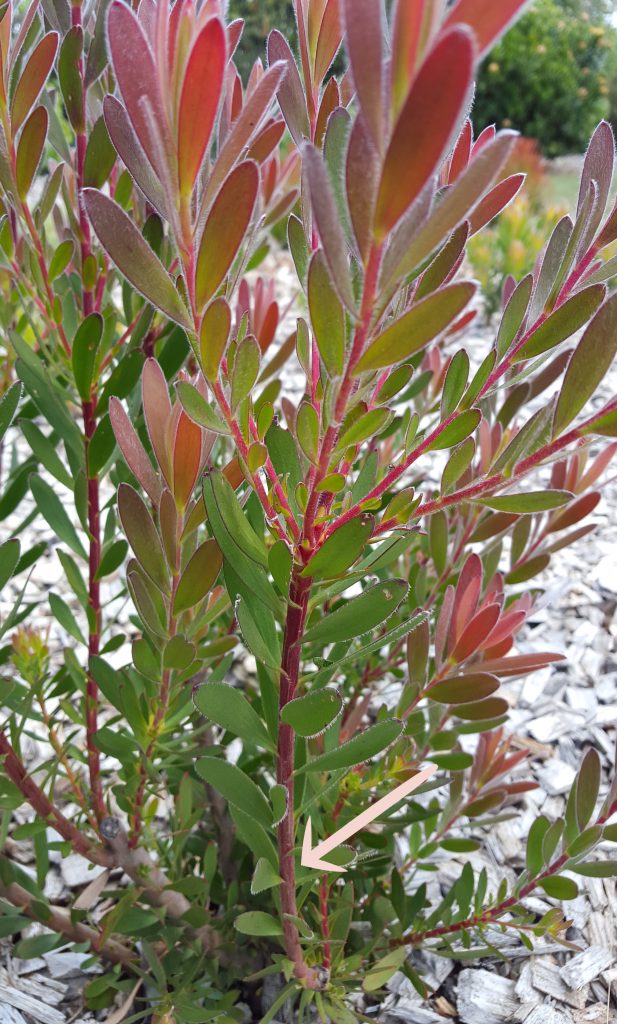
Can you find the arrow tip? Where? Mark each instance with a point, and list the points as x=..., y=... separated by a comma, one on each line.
x=310, y=856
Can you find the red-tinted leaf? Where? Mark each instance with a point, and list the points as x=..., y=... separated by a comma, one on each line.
x=520, y=664
x=267, y=141
x=425, y=127
x=362, y=182
x=137, y=77
x=225, y=229
x=364, y=38
x=214, y=335
x=199, y=576
x=408, y=22
x=133, y=256
x=476, y=632
x=462, y=153
x=142, y=536
x=199, y=101
x=455, y=205
x=129, y=148
x=33, y=78
x=30, y=148
x=291, y=93
x=496, y=201
x=328, y=224
x=133, y=450
x=186, y=459
x=489, y=19
x=483, y=710
x=329, y=39
x=157, y=412
x=598, y=167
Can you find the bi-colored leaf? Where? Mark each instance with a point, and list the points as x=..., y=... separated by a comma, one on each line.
x=133, y=450
x=199, y=100
x=133, y=256
x=142, y=535
x=290, y=93
x=327, y=316
x=199, y=577
x=527, y=504
x=230, y=709
x=329, y=225
x=129, y=148
x=368, y=744
x=313, y=713
x=30, y=149
x=237, y=788
x=360, y=615
x=83, y=353
x=341, y=549
x=426, y=125
x=464, y=689
x=225, y=230
x=422, y=323
x=33, y=78
x=588, y=366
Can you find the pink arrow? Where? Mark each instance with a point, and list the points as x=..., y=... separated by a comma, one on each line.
x=312, y=856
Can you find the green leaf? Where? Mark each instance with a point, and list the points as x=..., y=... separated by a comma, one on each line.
x=83, y=355
x=413, y=331
x=36, y=946
x=198, y=577
x=100, y=156
x=560, y=888
x=311, y=714
x=563, y=322
x=142, y=535
x=361, y=614
x=264, y=646
x=361, y=748
x=599, y=869
x=588, y=366
x=9, y=557
x=257, y=923
x=133, y=256
x=65, y=617
x=341, y=549
x=327, y=316
x=70, y=77
x=245, y=370
x=527, y=504
x=458, y=430
x=236, y=787
x=8, y=406
x=264, y=877
x=587, y=787
x=223, y=505
x=230, y=709
x=178, y=654
x=453, y=762
x=514, y=314
x=535, y=841
x=53, y=511
x=199, y=409
x=455, y=383
x=381, y=972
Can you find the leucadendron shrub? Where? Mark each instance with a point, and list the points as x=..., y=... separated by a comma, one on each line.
x=372, y=539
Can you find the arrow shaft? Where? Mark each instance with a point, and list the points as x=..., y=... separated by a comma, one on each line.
x=374, y=811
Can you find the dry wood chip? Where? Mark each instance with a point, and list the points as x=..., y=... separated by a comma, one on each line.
x=33, y=1007
x=9, y=1015
x=546, y=978
x=485, y=997
x=586, y=966
x=547, y=1015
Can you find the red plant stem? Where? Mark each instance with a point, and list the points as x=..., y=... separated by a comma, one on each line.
x=299, y=592
x=42, y=805
x=94, y=519
x=94, y=618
